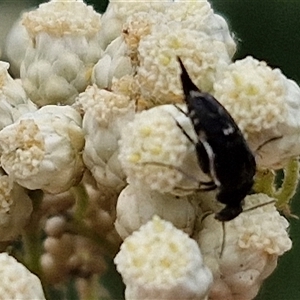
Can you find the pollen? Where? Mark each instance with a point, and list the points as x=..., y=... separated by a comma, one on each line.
x=134, y=158
x=145, y=131
x=165, y=60
x=156, y=150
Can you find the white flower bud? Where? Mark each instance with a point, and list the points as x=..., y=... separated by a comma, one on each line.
x=18, y=282
x=253, y=242
x=13, y=99
x=65, y=48
x=155, y=152
x=105, y=114
x=162, y=262
x=15, y=208
x=136, y=206
x=42, y=150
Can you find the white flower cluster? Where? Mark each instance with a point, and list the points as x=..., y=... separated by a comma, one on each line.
x=42, y=150
x=105, y=114
x=253, y=241
x=155, y=152
x=143, y=204
x=161, y=262
x=100, y=98
x=64, y=46
x=265, y=105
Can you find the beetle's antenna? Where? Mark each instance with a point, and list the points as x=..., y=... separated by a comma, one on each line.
x=244, y=211
x=259, y=205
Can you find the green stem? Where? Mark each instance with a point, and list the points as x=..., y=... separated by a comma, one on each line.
x=264, y=182
x=289, y=185
x=82, y=200
x=32, y=241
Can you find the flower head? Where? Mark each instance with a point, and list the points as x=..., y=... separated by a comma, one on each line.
x=58, y=64
x=253, y=242
x=157, y=32
x=105, y=114
x=62, y=17
x=42, y=150
x=254, y=94
x=161, y=262
x=137, y=205
x=265, y=105
x=17, y=282
x=158, y=71
x=155, y=152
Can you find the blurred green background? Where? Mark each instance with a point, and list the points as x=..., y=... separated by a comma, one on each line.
x=269, y=30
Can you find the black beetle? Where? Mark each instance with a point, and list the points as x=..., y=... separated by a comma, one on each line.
x=222, y=151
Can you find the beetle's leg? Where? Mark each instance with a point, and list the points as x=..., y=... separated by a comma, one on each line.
x=184, y=132
x=208, y=185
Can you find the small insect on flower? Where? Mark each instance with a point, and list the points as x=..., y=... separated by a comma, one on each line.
x=221, y=149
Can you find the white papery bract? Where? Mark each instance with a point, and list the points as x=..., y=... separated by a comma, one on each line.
x=137, y=205
x=58, y=64
x=17, y=282
x=42, y=150
x=161, y=262
x=156, y=153
x=13, y=99
x=115, y=63
x=253, y=242
x=16, y=44
x=105, y=114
